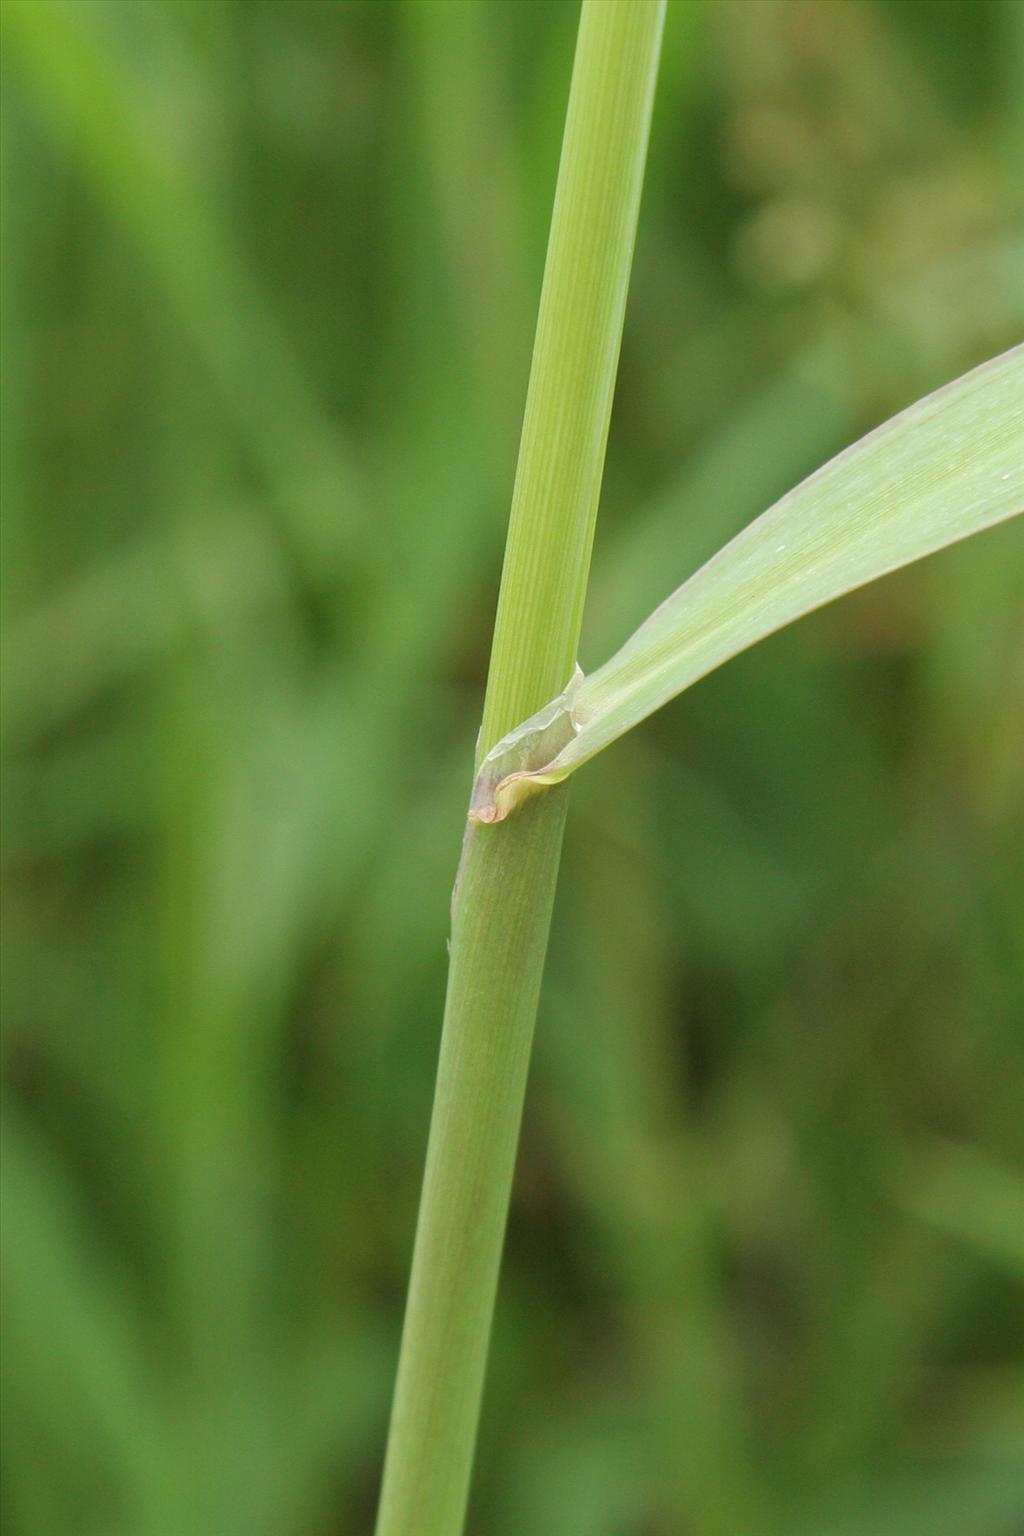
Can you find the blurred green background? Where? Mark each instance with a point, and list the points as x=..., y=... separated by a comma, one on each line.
x=270, y=275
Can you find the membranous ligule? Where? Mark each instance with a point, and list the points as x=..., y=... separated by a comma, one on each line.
x=518, y=757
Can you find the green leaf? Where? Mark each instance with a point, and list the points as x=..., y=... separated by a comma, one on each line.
x=947, y=467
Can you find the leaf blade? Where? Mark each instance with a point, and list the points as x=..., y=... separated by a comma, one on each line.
x=947, y=467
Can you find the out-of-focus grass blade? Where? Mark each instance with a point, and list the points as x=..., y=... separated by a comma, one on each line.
x=71, y=57
x=947, y=1498
x=78, y=1348
x=948, y=467
x=963, y=1191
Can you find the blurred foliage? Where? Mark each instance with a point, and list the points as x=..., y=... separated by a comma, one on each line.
x=270, y=272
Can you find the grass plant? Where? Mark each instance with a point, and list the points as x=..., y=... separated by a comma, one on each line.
x=269, y=287
x=947, y=468
x=501, y=906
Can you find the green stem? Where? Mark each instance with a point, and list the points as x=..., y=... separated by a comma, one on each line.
x=507, y=878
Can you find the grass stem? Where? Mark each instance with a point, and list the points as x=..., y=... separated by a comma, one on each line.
x=506, y=887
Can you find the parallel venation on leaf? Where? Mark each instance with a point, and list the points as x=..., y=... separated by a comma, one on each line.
x=947, y=467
